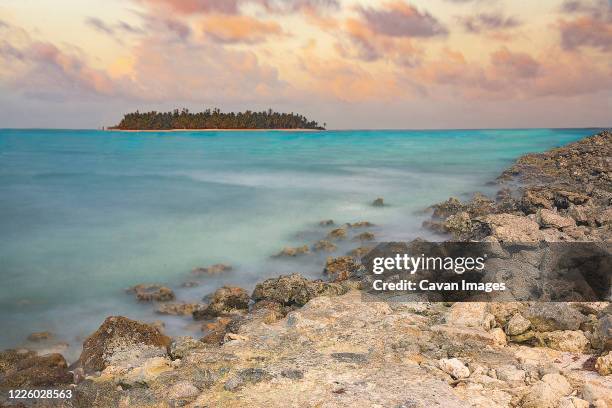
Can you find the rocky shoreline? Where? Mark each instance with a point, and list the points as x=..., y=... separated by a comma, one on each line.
x=300, y=342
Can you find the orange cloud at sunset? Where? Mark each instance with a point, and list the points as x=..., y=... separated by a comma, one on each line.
x=309, y=54
x=233, y=29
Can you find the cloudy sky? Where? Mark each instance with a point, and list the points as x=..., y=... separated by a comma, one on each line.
x=350, y=63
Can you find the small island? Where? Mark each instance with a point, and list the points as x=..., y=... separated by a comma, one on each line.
x=215, y=120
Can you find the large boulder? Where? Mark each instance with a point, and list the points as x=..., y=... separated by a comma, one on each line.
x=28, y=370
x=295, y=290
x=118, y=334
x=225, y=300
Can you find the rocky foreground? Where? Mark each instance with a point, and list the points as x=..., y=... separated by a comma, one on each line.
x=297, y=342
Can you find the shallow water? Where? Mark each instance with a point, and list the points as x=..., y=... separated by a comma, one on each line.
x=85, y=214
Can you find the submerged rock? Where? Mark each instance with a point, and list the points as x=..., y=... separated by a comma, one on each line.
x=40, y=336
x=379, y=202
x=326, y=223
x=365, y=236
x=117, y=334
x=215, y=269
x=361, y=224
x=177, y=309
x=293, y=251
x=360, y=252
x=225, y=300
x=152, y=292
x=337, y=234
x=324, y=245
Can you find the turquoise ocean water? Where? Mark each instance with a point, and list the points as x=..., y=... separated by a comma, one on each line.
x=85, y=214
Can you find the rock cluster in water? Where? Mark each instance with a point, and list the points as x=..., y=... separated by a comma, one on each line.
x=300, y=342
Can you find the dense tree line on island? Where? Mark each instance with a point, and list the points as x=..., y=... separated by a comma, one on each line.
x=214, y=119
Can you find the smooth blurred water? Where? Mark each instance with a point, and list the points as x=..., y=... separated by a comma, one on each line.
x=85, y=214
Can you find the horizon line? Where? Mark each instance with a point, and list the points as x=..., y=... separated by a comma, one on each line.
x=323, y=130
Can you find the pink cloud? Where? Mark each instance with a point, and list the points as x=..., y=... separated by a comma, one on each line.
x=398, y=19
x=488, y=21
x=239, y=29
x=233, y=6
x=590, y=27
x=514, y=64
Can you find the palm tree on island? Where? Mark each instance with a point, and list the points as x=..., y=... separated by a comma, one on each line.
x=214, y=119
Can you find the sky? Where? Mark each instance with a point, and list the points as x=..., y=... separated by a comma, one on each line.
x=353, y=64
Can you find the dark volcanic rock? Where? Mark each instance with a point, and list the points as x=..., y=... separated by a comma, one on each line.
x=115, y=334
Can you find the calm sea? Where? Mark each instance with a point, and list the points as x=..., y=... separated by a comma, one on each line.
x=85, y=214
